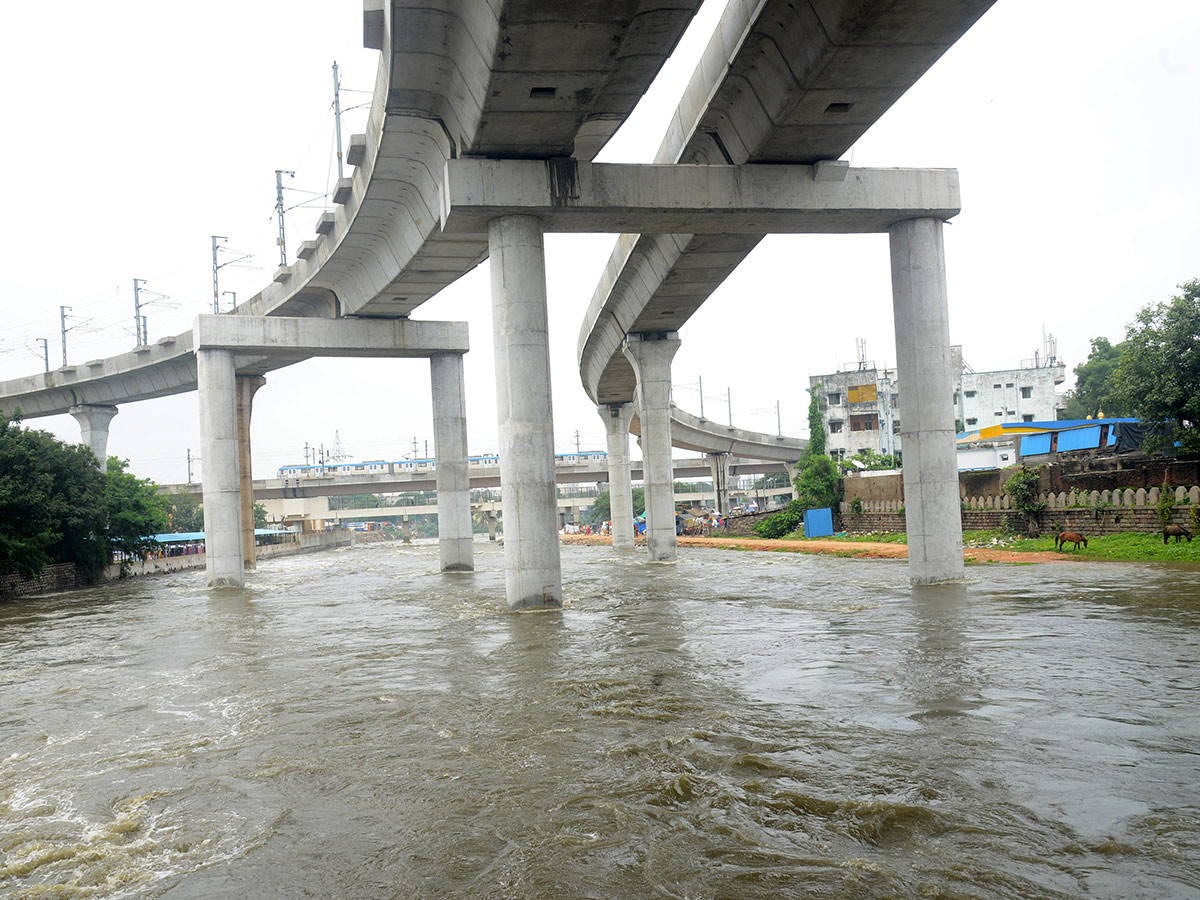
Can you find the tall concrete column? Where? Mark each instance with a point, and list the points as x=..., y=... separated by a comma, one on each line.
x=450, y=453
x=617, y=417
x=222, y=481
x=930, y=469
x=650, y=356
x=718, y=464
x=93, y=427
x=533, y=570
x=247, y=386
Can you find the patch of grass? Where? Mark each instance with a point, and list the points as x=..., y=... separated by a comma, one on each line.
x=877, y=537
x=1129, y=546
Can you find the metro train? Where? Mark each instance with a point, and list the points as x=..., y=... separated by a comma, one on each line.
x=409, y=466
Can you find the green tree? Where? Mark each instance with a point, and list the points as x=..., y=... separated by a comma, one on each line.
x=1096, y=383
x=601, y=509
x=260, y=516
x=1022, y=487
x=1158, y=377
x=52, y=503
x=816, y=483
x=872, y=460
x=816, y=422
x=184, y=513
x=134, y=509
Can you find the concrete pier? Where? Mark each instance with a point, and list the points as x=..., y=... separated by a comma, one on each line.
x=450, y=453
x=921, y=311
x=247, y=386
x=532, y=567
x=718, y=464
x=93, y=427
x=650, y=355
x=617, y=417
x=221, y=482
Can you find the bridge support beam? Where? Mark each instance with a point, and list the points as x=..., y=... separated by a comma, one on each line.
x=921, y=312
x=718, y=464
x=93, y=427
x=533, y=568
x=222, y=481
x=617, y=417
x=650, y=355
x=247, y=386
x=450, y=452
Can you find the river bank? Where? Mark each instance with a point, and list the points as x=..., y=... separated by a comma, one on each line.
x=856, y=549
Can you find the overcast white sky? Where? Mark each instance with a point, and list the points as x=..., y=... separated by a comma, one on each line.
x=137, y=129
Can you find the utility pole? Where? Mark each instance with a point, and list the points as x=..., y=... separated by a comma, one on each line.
x=137, y=311
x=701, y=379
x=62, y=319
x=279, y=173
x=729, y=403
x=189, y=459
x=337, y=115
x=145, y=333
x=778, y=420
x=216, y=289
x=306, y=453
x=45, y=352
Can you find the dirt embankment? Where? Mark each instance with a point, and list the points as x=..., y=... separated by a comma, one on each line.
x=857, y=549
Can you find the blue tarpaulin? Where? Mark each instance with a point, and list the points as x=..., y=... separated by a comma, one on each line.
x=1079, y=439
x=818, y=522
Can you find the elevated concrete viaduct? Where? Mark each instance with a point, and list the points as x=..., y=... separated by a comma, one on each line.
x=484, y=121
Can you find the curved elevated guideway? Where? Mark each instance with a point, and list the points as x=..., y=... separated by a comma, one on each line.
x=483, y=123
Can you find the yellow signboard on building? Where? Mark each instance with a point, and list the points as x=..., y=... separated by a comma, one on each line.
x=863, y=393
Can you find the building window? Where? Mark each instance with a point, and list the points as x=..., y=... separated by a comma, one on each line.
x=1010, y=384
x=835, y=398
x=896, y=427
x=1028, y=417
x=835, y=427
x=956, y=398
x=1026, y=393
x=968, y=394
x=895, y=401
x=867, y=422
x=997, y=414
x=995, y=387
x=972, y=421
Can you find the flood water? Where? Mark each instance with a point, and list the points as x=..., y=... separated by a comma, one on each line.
x=735, y=725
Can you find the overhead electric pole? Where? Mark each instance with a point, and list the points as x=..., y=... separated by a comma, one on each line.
x=137, y=312
x=62, y=319
x=216, y=268
x=233, y=302
x=45, y=352
x=279, y=173
x=337, y=115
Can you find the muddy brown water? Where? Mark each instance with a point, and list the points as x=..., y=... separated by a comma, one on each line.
x=354, y=724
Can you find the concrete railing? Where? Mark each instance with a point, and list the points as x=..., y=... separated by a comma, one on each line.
x=1127, y=498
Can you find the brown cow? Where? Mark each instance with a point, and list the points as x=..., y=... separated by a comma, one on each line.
x=1069, y=537
x=1176, y=531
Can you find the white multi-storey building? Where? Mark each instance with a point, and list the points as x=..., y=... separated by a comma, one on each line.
x=861, y=406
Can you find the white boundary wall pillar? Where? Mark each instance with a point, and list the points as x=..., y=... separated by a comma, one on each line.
x=650, y=355
x=247, y=386
x=450, y=453
x=617, y=417
x=93, y=429
x=222, y=481
x=930, y=469
x=533, y=570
